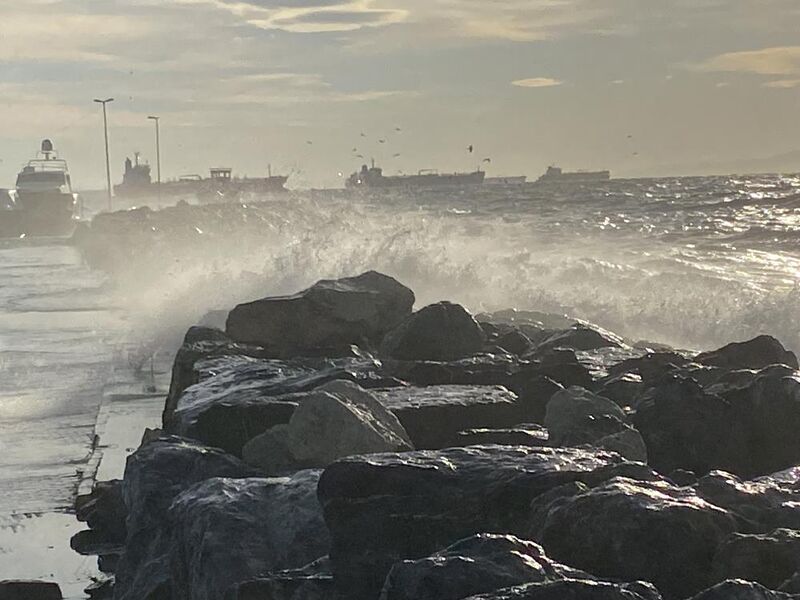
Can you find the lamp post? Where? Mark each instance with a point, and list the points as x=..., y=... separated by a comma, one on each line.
x=105, y=133
x=158, y=152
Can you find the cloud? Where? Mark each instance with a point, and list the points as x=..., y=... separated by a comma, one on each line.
x=783, y=60
x=537, y=82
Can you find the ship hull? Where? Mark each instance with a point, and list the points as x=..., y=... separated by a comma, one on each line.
x=422, y=181
x=39, y=214
x=576, y=177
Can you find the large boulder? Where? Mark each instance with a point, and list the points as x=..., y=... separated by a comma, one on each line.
x=154, y=476
x=684, y=427
x=326, y=318
x=388, y=507
x=769, y=559
x=442, y=331
x=434, y=415
x=581, y=336
x=637, y=530
x=338, y=419
x=227, y=531
x=476, y=565
x=311, y=582
x=757, y=353
x=736, y=589
x=103, y=510
x=525, y=434
x=237, y=397
x=574, y=589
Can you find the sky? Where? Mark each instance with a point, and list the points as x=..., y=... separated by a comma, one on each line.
x=641, y=87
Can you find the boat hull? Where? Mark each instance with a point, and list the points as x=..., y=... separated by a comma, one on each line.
x=39, y=214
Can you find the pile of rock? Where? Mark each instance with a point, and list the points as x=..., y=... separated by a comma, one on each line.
x=335, y=445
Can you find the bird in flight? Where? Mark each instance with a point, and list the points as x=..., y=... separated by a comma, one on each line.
x=470, y=148
x=309, y=142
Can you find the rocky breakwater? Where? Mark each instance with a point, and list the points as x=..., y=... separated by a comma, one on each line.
x=336, y=445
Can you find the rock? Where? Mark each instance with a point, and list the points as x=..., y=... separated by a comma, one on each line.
x=388, y=507
x=760, y=505
x=581, y=336
x=519, y=435
x=226, y=531
x=686, y=428
x=766, y=416
x=534, y=392
x=322, y=320
x=200, y=333
x=442, y=331
x=574, y=590
x=632, y=530
x=312, y=582
x=562, y=366
x=568, y=411
x=476, y=565
x=239, y=398
x=651, y=367
x=741, y=590
x=769, y=559
x=434, y=415
x=623, y=390
x=154, y=475
x=101, y=588
x=269, y=452
x=103, y=510
x=29, y=590
x=514, y=341
x=757, y=353
x=627, y=442
x=791, y=585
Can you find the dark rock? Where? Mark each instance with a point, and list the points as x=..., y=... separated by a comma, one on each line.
x=769, y=559
x=101, y=588
x=757, y=353
x=239, y=398
x=741, y=590
x=154, y=475
x=514, y=341
x=651, y=367
x=682, y=478
x=226, y=531
x=791, y=585
x=632, y=530
x=761, y=504
x=534, y=392
x=572, y=589
x=624, y=390
x=476, y=565
x=200, y=333
x=336, y=420
x=529, y=434
x=29, y=590
x=103, y=510
x=311, y=582
x=434, y=415
x=438, y=332
x=91, y=542
x=684, y=427
x=325, y=318
x=581, y=336
x=388, y=507
x=561, y=365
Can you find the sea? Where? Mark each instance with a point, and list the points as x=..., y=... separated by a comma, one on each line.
x=690, y=262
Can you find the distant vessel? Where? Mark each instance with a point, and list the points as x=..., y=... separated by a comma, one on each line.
x=516, y=180
x=373, y=178
x=220, y=186
x=556, y=175
x=43, y=203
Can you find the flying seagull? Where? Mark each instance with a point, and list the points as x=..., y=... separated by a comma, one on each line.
x=470, y=148
x=487, y=160
x=381, y=141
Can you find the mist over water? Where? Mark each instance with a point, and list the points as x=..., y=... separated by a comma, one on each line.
x=694, y=263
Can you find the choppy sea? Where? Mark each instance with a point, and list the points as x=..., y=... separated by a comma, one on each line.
x=691, y=262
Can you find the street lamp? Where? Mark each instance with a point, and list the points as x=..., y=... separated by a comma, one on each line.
x=105, y=132
x=158, y=153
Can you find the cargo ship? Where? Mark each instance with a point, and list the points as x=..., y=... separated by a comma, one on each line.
x=219, y=186
x=43, y=203
x=373, y=178
x=557, y=175
x=513, y=180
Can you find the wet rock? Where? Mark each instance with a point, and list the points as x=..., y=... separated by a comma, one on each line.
x=760, y=505
x=239, y=398
x=624, y=390
x=438, y=332
x=573, y=589
x=101, y=588
x=651, y=367
x=684, y=427
x=154, y=475
x=514, y=341
x=324, y=319
x=434, y=415
x=29, y=590
x=791, y=585
x=769, y=559
x=741, y=590
x=581, y=336
x=570, y=410
x=388, y=507
x=561, y=365
x=527, y=434
x=476, y=565
x=201, y=333
x=227, y=531
x=338, y=419
x=757, y=353
x=103, y=510
x=534, y=392
x=312, y=582
x=635, y=530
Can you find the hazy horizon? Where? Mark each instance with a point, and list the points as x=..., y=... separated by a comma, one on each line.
x=679, y=88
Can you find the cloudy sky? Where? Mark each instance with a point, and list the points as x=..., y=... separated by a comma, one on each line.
x=638, y=86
